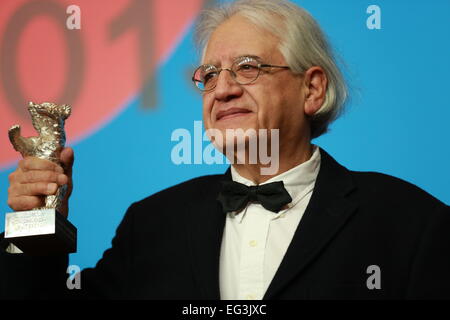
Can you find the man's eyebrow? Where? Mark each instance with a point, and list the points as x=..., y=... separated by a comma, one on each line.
x=258, y=58
x=247, y=56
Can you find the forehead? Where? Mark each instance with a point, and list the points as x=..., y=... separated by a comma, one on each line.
x=238, y=37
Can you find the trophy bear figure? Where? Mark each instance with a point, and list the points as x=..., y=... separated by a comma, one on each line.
x=48, y=119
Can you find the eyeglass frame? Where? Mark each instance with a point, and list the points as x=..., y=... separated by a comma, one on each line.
x=233, y=74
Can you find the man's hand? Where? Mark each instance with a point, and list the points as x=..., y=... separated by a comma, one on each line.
x=35, y=178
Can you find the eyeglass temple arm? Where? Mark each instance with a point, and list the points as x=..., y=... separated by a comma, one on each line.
x=272, y=66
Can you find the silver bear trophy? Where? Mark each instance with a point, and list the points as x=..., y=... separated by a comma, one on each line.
x=48, y=119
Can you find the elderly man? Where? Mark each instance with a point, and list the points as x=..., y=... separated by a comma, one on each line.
x=311, y=229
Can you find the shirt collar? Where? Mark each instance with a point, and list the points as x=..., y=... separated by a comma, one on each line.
x=298, y=181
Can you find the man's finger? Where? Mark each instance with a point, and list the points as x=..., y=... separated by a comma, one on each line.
x=33, y=189
x=33, y=163
x=42, y=176
x=23, y=203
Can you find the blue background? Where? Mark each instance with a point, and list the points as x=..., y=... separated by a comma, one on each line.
x=396, y=122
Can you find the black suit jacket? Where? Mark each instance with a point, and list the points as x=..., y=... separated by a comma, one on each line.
x=168, y=246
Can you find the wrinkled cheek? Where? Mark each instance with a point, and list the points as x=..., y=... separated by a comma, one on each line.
x=207, y=109
x=268, y=115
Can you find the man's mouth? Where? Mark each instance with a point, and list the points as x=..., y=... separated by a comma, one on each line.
x=231, y=113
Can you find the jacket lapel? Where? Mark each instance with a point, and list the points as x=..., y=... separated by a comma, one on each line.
x=206, y=222
x=327, y=212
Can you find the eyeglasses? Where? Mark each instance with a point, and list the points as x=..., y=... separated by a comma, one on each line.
x=245, y=70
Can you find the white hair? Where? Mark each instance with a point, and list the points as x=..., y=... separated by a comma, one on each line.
x=302, y=44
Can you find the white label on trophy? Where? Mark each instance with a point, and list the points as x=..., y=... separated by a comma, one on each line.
x=28, y=223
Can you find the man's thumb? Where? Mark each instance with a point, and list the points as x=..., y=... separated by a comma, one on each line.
x=67, y=159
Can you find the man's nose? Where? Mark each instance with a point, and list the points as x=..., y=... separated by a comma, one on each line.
x=227, y=88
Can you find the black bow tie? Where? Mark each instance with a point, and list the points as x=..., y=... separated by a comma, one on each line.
x=235, y=196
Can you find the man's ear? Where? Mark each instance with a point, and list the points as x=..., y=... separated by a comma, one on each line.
x=315, y=84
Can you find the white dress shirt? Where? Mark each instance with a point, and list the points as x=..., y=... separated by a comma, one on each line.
x=255, y=240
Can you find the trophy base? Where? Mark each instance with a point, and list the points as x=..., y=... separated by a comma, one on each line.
x=40, y=232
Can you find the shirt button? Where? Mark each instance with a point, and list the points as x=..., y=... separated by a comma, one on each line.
x=250, y=297
x=253, y=243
